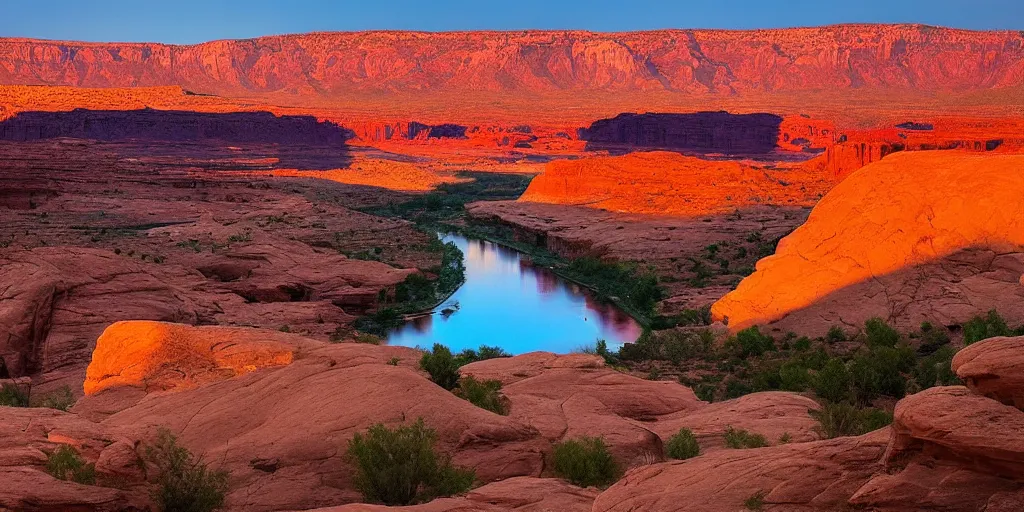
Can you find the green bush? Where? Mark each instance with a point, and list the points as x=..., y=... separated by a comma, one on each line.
x=185, y=483
x=843, y=419
x=755, y=502
x=750, y=342
x=682, y=445
x=735, y=388
x=832, y=383
x=794, y=376
x=932, y=339
x=401, y=467
x=415, y=288
x=483, y=394
x=674, y=346
x=936, y=369
x=441, y=366
x=585, y=462
x=879, y=371
x=835, y=334
x=380, y=322
x=453, y=269
x=61, y=399
x=739, y=438
x=482, y=354
x=802, y=344
x=880, y=334
x=65, y=463
x=12, y=396
x=984, y=327
x=368, y=339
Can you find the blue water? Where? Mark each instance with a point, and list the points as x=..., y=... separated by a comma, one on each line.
x=509, y=303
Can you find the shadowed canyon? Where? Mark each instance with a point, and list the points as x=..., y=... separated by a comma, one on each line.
x=676, y=270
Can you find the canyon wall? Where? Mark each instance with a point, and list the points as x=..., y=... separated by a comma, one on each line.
x=695, y=62
x=701, y=132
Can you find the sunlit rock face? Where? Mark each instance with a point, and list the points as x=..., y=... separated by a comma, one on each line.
x=918, y=236
x=689, y=61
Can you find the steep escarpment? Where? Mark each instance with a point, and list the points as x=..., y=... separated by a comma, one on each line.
x=918, y=236
x=687, y=61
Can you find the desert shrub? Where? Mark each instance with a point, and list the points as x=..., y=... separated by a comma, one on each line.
x=61, y=399
x=12, y=396
x=453, y=269
x=585, y=462
x=832, y=382
x=483, y=394
x=739, y=438
x=682, y=445
x=984, y=327
x=481, y=354
x=379, y=322
x=670, y=345
x=65, y=463
x=400, y=466
x=751, y=342
x=844, y=419
x=705, y=392
x=635, y=286
x=700, y=316
x=185, y=483
x=879, y=371
x=802, y=344
x=441, y=366
x=880, y=334
x=936, y=369
x=835, y=334
x=735, y=388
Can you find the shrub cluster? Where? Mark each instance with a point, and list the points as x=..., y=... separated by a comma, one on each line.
x=682, y=445
x=65, y=463
x=483, y=394
x=739, y=438
x=185, y=483
x=845, y=419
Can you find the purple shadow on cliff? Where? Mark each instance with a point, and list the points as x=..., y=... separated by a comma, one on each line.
x=698, y=133
x=173, y=126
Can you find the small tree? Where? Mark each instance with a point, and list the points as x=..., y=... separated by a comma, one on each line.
x=683, y=445
x=400, y=466
x=880, y=334
x=832, y=383
x=585, y=462
x=185, y=484
x=442, y=367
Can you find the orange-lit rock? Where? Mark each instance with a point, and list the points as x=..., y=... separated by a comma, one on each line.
x=918, y=236
x=156, y=356
x=672, y=184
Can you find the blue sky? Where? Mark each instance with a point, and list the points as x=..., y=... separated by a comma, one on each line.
x=192, y=21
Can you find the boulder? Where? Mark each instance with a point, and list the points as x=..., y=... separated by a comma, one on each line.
x=994, y=368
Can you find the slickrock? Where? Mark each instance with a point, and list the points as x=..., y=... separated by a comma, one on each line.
x=282, y=431
x=772, y=414
x=917, y=236
x=521, y=494
x=993, y=368
x=805, y=476
x=576, y=396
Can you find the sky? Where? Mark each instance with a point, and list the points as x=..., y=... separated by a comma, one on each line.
x=194, y=21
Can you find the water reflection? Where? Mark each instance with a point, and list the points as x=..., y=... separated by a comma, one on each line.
x=510, y=303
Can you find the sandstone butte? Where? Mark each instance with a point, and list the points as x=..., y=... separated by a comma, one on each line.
x=954, y=448
x=917, y=236
x=672, y=184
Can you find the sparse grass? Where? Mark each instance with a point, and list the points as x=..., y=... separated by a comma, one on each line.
x=12, y=396
x=244, y=236
x=682, y=445
x=585, y=462
x=755, y=502
x=185, y=483
x=65, y=463
x=843, y=419
x=61, y=399
x=739, y=438
x=400, y=466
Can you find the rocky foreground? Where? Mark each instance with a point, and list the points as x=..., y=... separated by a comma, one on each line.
x=276, y=410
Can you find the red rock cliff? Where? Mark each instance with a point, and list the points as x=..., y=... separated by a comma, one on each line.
x=689, y=61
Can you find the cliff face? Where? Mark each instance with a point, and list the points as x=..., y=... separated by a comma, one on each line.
x=688, y=61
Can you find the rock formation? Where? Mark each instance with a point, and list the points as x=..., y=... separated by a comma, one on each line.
x=701, y=132
x=672, y=184
x=922, y=236
x=686, y=61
